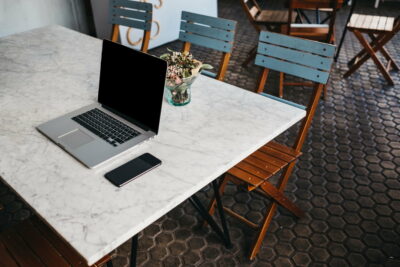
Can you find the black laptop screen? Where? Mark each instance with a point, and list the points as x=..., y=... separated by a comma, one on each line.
x=132, y=84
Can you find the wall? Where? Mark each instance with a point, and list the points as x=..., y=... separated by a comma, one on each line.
x=166, y=16
x=22, y=15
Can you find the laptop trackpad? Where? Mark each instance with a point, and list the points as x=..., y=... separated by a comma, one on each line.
x=75, y=139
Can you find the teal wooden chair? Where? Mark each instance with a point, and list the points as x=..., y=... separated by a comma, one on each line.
x=132, y=14
x=303, y=58
x=210, y=32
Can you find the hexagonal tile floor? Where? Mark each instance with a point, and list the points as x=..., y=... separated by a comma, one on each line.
x=347, y=181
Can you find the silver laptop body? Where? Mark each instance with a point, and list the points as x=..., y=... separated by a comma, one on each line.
x=88, y=147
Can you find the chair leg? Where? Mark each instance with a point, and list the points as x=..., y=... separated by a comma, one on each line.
x=385, y=53
x=263, y=80
x=263, y=230
x=250, y=57
x=372, y=54
x=325, y=91
x=115, y=33
x=281, y=83
x=270, y=212
x=371, y=51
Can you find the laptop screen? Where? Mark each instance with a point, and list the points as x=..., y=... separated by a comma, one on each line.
x=132, y=84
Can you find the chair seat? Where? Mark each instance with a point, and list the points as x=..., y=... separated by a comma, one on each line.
x=316, y=32
x=321, y=9
x=371, y=23
x=32, y=243
x=274, y=17
x=263, y=164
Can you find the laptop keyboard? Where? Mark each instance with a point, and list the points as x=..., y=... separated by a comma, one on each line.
x=106, y=127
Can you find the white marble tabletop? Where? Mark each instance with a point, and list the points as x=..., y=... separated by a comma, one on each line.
x=50, y=71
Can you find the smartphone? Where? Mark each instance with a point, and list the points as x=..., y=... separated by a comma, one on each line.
x=132, y=169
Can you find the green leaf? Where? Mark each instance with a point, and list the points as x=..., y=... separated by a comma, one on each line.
x=164, y=56
x=206, y=67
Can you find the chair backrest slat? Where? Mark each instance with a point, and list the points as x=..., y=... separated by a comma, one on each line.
x=131, y=14
x=295, y=56
x=132, y=23
x=224, y=24
x=206, y=42
x=296, y=43
x=208, y=31
x=133, y=4
x=299, y=57
x=292, y=69
x=211, y=32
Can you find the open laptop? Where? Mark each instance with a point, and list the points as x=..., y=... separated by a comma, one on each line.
x=127, y=113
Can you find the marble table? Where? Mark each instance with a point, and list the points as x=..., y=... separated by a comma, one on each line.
x=50, y=71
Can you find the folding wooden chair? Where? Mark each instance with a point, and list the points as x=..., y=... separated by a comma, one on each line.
x=381, y=30
x=32, y=243
x=132, y=14
x=270, y=20
x=210, y=32
x=318, y=32
x=302, y=58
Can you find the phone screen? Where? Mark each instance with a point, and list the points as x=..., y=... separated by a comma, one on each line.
x=132, y=169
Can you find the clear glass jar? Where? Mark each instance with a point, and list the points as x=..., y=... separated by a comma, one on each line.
x=179, y=94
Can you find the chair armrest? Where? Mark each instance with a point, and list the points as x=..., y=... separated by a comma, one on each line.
x=284, y=101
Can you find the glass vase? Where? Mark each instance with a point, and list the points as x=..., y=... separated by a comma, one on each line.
x=179, y=94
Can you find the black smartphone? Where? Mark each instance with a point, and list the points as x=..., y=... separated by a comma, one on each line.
x=132, y=169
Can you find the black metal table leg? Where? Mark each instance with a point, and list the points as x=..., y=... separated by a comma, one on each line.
x=223, y=234
x=134, y=247
x=353, y=5
x=221, y=213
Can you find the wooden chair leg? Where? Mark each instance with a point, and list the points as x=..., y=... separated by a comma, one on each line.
x=263, y=230
x=281, y=83
x=372, y=54
x=224, y=66
x=115, y=33
x=186, y=47
x=270, y=211
x=325, y=91
x=263, y=80
x=281, y=199
x=363, y=52
x=250, y=57
x=375, y=40
x=385, y=53
x=145, y=42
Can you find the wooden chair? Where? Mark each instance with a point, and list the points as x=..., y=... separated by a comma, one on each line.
x=132, y=14
x=381, y=30
x=270, y=20
x=318, y=32
x=302, y=58
x=32, y=244
x=210, y=32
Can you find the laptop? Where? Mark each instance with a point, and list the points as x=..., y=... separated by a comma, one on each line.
x=128, y=111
